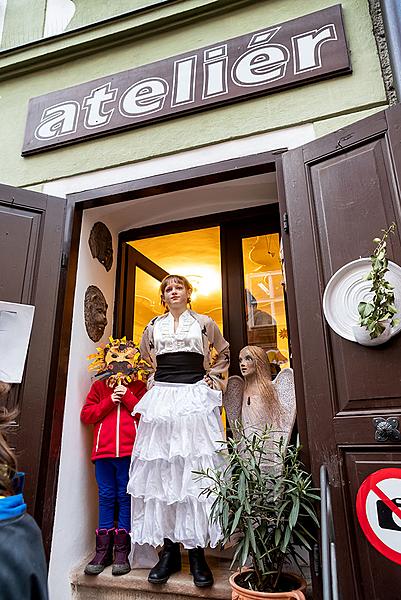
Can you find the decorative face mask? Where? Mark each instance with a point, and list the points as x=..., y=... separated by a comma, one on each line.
x=119, y=361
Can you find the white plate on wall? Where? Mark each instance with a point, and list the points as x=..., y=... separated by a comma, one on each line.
x=347, y=288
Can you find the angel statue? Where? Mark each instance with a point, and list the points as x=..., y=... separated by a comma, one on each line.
x=256, y=401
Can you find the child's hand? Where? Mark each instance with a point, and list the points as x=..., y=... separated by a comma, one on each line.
x=120, y=389
x=118, y=392
x=115, y=397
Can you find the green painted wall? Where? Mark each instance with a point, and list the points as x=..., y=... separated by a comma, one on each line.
x=23, y=22
x=91, y=11
x=328, y=104
x=24, y=19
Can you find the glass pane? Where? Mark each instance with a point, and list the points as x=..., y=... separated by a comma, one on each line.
x=146, y=303
x=194, y=254
x=264, y=297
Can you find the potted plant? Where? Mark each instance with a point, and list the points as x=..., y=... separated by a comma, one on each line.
x=264, y=500
x=377, y=315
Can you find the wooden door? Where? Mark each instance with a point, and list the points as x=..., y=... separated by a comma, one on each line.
x=340, y=192
x=31, y=236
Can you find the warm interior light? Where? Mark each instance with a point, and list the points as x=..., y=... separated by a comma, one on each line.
x=205, y=281
x=264, y=288
x=193, y=254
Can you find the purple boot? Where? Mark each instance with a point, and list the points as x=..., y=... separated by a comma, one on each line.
x=104, y=552
x=122, y=548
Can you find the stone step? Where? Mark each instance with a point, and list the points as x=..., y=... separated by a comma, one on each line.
x=135, y=586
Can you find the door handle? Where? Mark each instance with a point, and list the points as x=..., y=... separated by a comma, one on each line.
x=386, y=430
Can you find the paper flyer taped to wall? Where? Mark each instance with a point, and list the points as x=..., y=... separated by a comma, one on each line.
x=15, y=331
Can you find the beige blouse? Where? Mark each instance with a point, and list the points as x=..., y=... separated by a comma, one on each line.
x=216, y=350
x=187, y=337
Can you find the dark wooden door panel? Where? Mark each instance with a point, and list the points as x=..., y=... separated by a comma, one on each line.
x=366, y=387
x=19, y=238
x=340, y=192
x=380, y=579
x=359, y=428
x=31, y=236
x=354, y=199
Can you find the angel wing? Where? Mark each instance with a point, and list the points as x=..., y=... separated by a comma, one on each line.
x=232, y=398
x=285, y=388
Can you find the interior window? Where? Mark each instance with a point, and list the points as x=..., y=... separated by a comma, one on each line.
x=264, y=298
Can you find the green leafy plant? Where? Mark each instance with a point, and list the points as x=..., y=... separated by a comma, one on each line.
x=264, y=500
x=381, y=308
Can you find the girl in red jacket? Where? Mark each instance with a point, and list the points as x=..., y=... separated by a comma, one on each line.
x=109, y=406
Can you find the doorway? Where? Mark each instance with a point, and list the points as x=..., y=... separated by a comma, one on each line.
x=239, y=194
x=231, y=259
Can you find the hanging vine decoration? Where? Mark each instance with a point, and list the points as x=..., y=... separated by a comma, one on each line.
x=374, y=314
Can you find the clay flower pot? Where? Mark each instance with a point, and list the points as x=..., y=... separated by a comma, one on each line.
x=240, y=593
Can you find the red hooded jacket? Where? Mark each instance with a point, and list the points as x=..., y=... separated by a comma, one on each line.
x=115, y=428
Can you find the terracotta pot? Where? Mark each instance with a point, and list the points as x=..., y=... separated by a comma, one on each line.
x=240, y=593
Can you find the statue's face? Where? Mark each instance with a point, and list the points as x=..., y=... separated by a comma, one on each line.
x=247, y=363
x=95, y=310
x=101, y=245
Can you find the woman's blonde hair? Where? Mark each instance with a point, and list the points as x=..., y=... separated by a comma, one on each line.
x=174, y=279
x=266, y=388
x=8, y=461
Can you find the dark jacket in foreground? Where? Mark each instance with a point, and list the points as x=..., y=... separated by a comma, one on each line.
x=23, y=571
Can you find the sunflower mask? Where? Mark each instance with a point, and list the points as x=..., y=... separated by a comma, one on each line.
x=119, y=361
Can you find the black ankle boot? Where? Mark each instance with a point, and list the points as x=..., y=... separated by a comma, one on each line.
x=169, y=563
x=199, y=568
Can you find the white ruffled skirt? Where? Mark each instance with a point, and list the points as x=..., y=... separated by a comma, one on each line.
x=180, y=431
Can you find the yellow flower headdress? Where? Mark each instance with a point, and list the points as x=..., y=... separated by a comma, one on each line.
x=119, y=361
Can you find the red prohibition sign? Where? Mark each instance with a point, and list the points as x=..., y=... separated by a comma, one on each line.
x=378, y=489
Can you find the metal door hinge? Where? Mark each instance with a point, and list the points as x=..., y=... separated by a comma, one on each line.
x=64, y=260
x=285, y=223
x=316, y=559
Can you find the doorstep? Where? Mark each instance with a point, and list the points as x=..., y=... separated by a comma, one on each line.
x=135, y=586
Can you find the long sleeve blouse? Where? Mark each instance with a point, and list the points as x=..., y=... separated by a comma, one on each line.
x=216, y=350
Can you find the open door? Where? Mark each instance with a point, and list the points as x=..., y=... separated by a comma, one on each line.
x=340, y=192
x=31, y=238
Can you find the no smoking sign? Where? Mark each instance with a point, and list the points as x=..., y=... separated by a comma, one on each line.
x=378, y=507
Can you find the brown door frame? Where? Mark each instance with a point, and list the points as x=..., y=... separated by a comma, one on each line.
x=235, y=168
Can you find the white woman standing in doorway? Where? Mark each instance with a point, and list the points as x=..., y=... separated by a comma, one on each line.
x=180, y=432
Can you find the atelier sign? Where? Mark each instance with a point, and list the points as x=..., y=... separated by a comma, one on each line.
x=280, y=56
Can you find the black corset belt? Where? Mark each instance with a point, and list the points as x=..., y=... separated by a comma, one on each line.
x=179, y=367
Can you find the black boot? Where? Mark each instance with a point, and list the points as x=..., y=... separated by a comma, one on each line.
x=169, y=563
x=199, y=568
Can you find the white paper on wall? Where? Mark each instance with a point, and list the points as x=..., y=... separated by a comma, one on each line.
x=15, y=330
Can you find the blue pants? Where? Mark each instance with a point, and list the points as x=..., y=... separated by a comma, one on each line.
x=112, y=480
